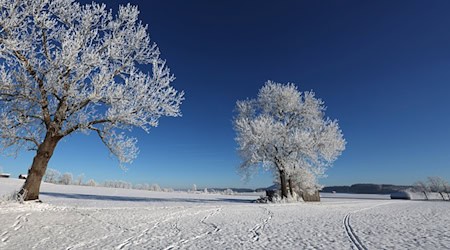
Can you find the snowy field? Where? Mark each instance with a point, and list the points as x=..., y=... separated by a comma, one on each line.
x=74, y=217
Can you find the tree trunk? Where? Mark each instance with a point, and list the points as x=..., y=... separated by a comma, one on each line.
x=291, y=191
x=30, y=189
x=284, y=190
x=426, y=196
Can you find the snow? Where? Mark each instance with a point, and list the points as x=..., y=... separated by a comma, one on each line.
x=74, y=217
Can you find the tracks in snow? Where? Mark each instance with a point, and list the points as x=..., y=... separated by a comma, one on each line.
x=215, y=229
x=18, y=224
x=354, y=239
x=256, y=230
x=356, y=242
x=141, y=236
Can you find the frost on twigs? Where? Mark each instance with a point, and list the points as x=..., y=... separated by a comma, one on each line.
x=15, y=196
x=285, y=131
x=67, y=67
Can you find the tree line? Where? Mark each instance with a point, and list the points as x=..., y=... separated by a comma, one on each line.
x=433, y=184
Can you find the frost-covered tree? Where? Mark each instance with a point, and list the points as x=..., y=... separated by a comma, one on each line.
x=52, y=176
x=66, y=68
x=155, y=187
x=438, y=184
x=286, y=131
x=79, y=180
x=91, y=182
x=117, y=184
x=66, y=179
x=422, y=187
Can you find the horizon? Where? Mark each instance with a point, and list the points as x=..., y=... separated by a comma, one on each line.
x=382, y=69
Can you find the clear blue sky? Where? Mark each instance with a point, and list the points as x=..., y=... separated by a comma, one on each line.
x=382, y=68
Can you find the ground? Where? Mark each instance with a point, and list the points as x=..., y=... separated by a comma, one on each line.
x=73, y=217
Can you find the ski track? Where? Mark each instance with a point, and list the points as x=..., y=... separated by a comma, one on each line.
x=215, y=229
x=211, y=221
x=352, y=236
x=356, y=242
x=257, y=229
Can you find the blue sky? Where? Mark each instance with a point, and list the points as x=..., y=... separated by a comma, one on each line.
x=382, y=68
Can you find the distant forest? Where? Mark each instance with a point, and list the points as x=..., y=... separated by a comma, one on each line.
x=365, y=189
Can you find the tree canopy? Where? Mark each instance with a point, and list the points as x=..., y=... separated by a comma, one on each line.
x=286, y=131
x=67, y=67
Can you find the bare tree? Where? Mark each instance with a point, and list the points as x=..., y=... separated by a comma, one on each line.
x=67, y=68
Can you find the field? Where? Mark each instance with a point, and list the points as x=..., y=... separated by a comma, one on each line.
x=74, y=217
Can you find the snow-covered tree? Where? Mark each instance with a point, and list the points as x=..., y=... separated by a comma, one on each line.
x=422, y=187
x=117, y=184
x=79, y=180
x=228, y=191
x=286, y=131
x=194, y=188
x=66, y=179
x=66, y=68
x=52, y=176
x=91, y=183
x=155, y=187
x=439, y=185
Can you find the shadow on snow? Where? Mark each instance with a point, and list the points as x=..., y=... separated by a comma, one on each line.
x=142, y=199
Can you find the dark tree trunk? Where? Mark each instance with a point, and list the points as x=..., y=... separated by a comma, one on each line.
x=30, y=189
x=291, y=191
x=284, y=190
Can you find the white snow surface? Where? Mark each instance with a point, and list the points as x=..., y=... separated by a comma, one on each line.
x=74, y=217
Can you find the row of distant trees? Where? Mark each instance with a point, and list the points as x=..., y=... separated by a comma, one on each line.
x=433, y=184
x=55, y=177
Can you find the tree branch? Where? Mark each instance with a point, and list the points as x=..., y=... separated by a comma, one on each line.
x=88, y=125
x=43, y=102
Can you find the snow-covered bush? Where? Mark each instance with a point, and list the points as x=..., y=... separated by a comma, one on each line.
x=228, y=191
x=14, y=196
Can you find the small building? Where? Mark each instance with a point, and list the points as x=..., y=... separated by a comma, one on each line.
x=23, y=176
x=4, y=175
